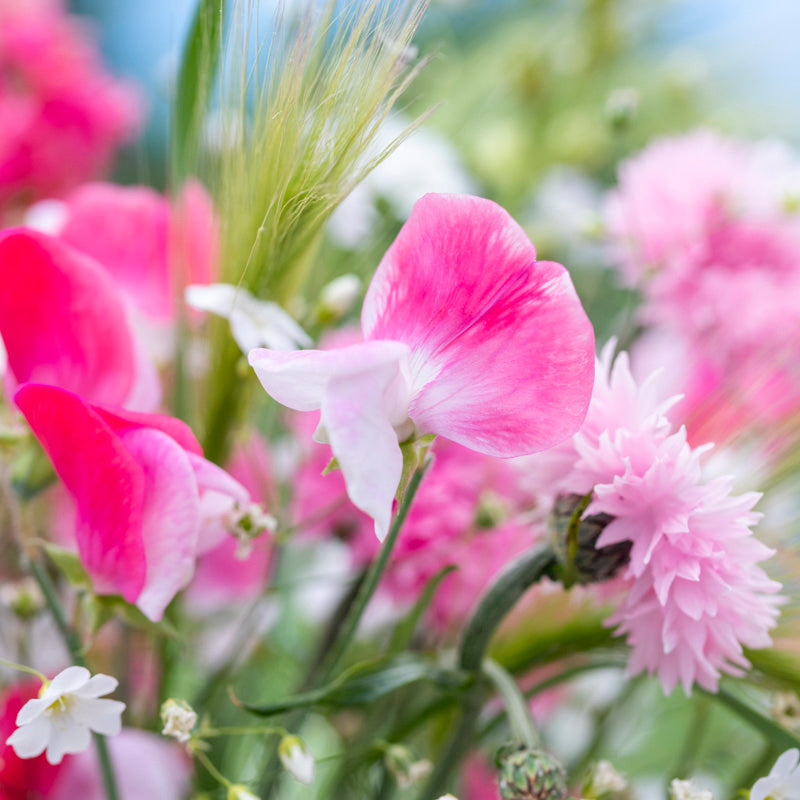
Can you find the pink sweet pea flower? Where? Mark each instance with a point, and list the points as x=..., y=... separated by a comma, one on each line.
x=63, y=323
x=147, y=501
x=466, y=336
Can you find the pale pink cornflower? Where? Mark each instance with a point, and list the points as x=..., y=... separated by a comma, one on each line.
x=62, y=114
x=696, y=594
x=467, y=336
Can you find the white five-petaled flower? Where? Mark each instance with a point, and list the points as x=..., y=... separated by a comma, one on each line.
x=59, y=721
x=296, y=759
x=783, y=781
x=254, y=322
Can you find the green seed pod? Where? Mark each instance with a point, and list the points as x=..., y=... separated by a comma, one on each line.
x=529, y=774
x=574, y=539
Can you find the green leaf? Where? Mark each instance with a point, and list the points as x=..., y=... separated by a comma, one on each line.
x=778, y=736
x=70, y=565
x=406, y=627
x=369, y=681
x=198, y=67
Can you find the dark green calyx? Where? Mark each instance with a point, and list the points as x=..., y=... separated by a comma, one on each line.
x=574, y=538
x=530, y=774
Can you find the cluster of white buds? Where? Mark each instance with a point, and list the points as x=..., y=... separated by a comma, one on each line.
x=603, y=779
x=248, y=523
x=179, y=719
x=406, y=768
x=687, y=790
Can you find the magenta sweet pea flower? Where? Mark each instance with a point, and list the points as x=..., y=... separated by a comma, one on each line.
x=147, y=501
x=64, y=323
x=466, y=335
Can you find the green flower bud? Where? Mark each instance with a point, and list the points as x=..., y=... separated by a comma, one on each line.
x=529, y=774
x=574, y=539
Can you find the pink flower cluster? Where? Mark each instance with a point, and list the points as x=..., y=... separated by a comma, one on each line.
x=708, y=228
x=62, y=114
x=696, y=594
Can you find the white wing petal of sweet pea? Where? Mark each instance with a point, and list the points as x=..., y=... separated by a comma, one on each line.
x=59, y=721
x=254, y=322
x=363, y=393
x=783, y=781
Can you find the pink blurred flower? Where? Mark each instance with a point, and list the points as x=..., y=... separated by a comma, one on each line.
x=166, y=776
x=63, y=322
x=479, y=780
x=696, y=594
x=62, y=114
x=467, y=336
x=147, y=501
x=704, y=225
x=153, y=249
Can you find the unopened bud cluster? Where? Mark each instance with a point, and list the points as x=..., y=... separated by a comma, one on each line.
x=531, y=774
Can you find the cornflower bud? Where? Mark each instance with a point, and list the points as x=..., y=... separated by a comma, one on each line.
x=574, y=539
x=530, y=774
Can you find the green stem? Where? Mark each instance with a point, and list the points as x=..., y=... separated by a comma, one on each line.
x=519, y=715
x=506, y=589
x=76, y=652
x=371, y=580
x=22, y=668
x=502, y=595
x=209, y=765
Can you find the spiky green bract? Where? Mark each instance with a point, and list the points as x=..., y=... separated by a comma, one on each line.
x=531, y=774
x=299, y=131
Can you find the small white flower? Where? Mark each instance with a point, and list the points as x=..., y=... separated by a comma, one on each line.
x=783, y=781
x=447, y=797
x=59, y=721
x=339, y=296
x=605, y=779
x=179, y=719
x=296, y=759
x=254, y=323
x=687, y=790
x=239, y=792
